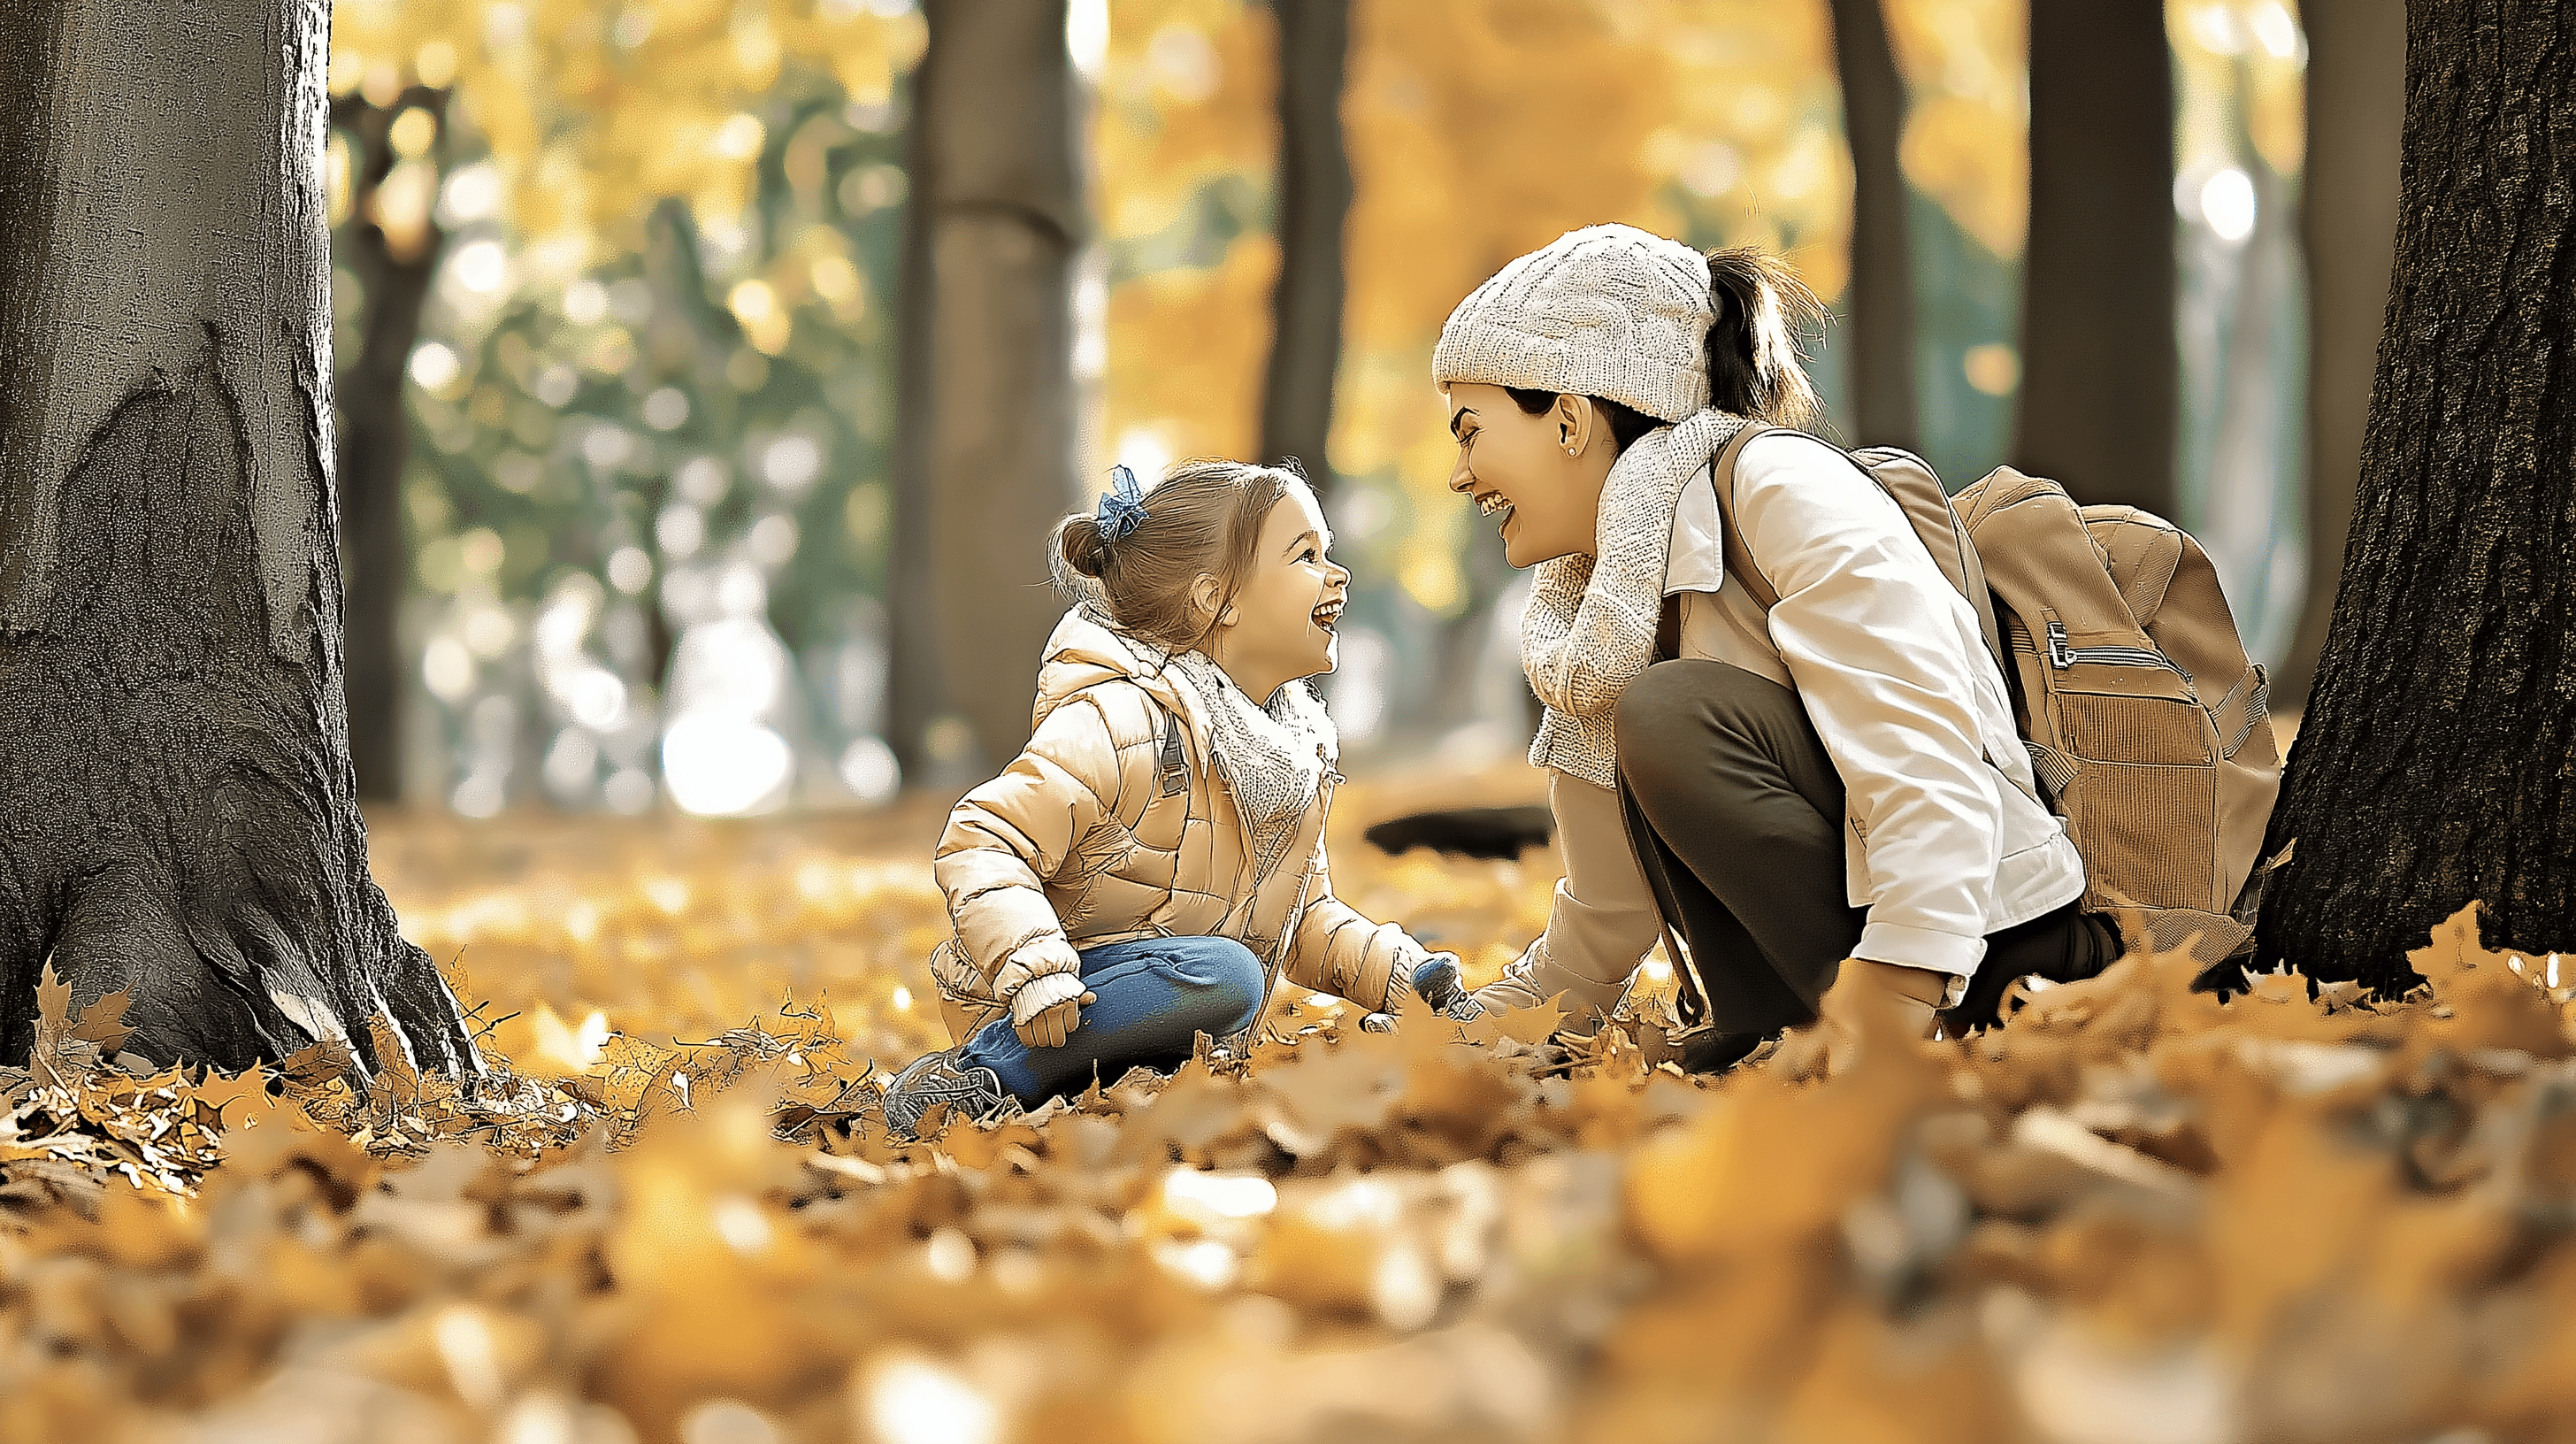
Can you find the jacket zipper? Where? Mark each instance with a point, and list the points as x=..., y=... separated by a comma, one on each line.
x=2061, y=656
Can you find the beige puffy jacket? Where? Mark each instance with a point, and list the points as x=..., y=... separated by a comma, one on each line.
x=1088, y=835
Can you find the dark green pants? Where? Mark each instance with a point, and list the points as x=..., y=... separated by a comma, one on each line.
x=1736, y=815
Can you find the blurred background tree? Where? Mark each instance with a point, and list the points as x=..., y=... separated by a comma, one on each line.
x=2097, y=398
x=1882, y=276
x=1314, y=171
x=984, y=466
x=2348, y=237
x=672, y=524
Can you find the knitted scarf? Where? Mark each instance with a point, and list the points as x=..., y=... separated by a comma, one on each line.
x=1590, y=627
x=1272, y=758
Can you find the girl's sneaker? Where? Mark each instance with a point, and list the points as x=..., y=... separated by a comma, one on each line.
x=971, y=1091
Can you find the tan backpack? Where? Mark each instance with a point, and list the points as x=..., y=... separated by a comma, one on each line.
x=2111, y=632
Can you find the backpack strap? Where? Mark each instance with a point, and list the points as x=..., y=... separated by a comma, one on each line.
x=1668, y=631
x=1981, y=597
x=1172, y=770
x=1730, y=537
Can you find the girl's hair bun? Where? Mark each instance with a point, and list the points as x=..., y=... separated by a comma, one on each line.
x=1084, y=547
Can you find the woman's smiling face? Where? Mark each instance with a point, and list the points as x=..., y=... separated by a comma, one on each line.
x=1517, y=468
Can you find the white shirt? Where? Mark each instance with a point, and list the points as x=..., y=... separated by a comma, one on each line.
x=1888, y=659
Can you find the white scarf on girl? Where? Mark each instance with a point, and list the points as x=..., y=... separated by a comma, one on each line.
x=1273, y=758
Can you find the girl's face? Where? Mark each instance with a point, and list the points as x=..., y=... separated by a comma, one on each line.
x=1288, y=603
x=1537, y=478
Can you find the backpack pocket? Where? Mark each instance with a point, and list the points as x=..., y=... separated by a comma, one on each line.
x=2144, y=785
x=2147, y=826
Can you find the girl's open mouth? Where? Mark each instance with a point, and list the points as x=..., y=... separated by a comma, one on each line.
x=1329, y=613
x=1493, y=505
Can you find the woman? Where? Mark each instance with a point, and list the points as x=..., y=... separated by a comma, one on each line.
x=1827, y=797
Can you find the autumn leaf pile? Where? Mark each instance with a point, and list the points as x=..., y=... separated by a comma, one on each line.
x=2135, y=1214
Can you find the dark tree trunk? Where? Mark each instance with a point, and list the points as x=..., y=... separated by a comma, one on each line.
x=375, y=441
x=999, y=204
x=177, y=809
x=1314, y=202
x=2099, y=384
x=2432, y=767
x=2356, y=104
x=1882, y=276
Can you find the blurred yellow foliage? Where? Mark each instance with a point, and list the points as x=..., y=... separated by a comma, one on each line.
x=1967, y=127
x=1185, y=95
x=2247, y=56
x=594, y=111
x=1172, y=367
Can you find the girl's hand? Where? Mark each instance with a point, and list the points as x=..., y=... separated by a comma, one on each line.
x=1437, y=982
x=1044, y=983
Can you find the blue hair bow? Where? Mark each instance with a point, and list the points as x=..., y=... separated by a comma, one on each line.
x=1122, y=508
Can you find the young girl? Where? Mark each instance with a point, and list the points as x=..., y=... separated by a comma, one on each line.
x=1153, y=862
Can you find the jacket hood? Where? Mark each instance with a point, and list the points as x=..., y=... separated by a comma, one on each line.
x=1087, y=649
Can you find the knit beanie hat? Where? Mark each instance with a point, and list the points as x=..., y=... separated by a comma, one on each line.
x=1607, y=311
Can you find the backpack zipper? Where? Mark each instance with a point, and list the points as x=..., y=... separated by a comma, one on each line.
x=2061, y=656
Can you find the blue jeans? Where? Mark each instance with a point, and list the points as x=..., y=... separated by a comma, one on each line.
x=1153, y=997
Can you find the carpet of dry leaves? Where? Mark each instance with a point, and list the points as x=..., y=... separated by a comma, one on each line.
x=2133, y=1215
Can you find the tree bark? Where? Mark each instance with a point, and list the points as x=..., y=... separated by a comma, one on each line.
x=1882, y=275
x=2348, y=223
x=999, y=204
x=177, y=809
x=914, y=694
x=2099, y=385
x=2432, y=766
x=375, y=442
x=1314, y=204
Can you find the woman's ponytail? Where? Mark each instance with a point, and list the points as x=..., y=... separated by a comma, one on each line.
x=1756, y=368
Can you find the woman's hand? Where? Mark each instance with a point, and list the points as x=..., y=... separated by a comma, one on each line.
x=1043, y=982
x=1869, y=1000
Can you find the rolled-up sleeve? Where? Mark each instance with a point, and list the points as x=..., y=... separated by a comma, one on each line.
x=1871, y=633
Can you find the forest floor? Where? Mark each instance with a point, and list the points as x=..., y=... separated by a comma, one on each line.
x=2134, y=1214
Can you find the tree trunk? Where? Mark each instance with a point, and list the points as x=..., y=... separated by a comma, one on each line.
x=998, y=212
x=375, y=441
x=177, y=810
x=914, y=696
x=2356, y=102
x=1314, y=202
x=2432, y=766
x=1882, y=276
x=2099, y=386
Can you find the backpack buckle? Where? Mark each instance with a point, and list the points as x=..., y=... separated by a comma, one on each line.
x=2060, y=655
x=1173, y=772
